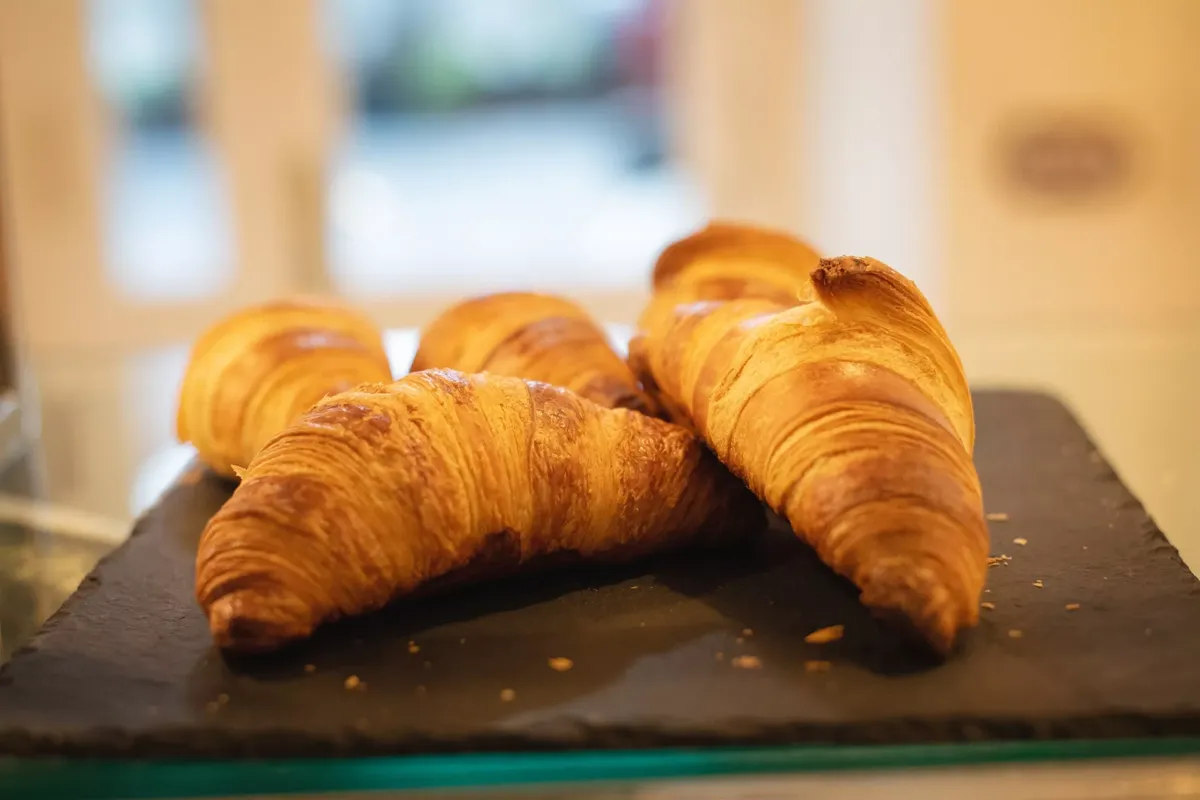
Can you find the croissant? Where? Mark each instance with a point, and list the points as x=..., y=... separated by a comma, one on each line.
x=439, y=478
x=727, y=260
x=849, y=415
x=533, y=336
x=255, y=371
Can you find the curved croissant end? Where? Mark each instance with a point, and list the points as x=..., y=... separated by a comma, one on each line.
x=533, y=336
x=255, y=371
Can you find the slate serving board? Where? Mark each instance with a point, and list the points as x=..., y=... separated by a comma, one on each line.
x=126, y=667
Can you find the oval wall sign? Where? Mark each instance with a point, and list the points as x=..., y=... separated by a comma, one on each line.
x=1069, y=157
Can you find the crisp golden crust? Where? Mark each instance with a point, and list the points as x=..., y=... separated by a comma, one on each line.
x=255, y=371
x=471, y=477
x=534, y=336
x=849, y=415
x=726, y=261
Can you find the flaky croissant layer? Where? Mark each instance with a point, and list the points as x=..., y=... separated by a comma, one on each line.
x=254, y=372
x=441, y=477
x=534, y=336
x=848, y=414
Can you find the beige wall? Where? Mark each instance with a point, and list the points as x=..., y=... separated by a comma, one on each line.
x=1096, y=296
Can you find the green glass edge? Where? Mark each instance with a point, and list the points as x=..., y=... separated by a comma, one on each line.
x=102, y=779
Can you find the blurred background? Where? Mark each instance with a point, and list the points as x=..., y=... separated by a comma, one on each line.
x=1033, y=164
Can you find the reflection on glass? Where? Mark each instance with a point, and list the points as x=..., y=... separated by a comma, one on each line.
x=501, y=143
x=166, y=232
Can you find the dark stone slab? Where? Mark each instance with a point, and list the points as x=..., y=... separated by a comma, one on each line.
x=126, y=667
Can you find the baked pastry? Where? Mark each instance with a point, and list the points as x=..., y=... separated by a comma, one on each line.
x=538, y=337
x=440, y=478
x=728, y=260
x=255, y=371
x=849, y=415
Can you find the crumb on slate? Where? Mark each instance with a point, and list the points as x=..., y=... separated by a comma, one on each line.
x=310, y=667
x=1015, y=634
x=747, y=662
x=747, y=631
x=413, y=647
x=560, y=664
x=988, y=606
x=996, y=516
x=817, y=666
x=996, y=561
x=826, y=635
x=507, y=695
x=1072, y=606
x=353, y=683
x=1038, y=583
x=1021, y=540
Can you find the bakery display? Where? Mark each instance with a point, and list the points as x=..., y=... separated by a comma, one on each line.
x=252, y=373
x=539, y=337
x=521, y=439
x=846, y=411
x=443, y=478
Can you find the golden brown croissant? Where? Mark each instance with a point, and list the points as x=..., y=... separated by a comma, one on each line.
x=727, y=260
x=533, y=336
x=255, y=371
x=849, y=415
x=442, y=477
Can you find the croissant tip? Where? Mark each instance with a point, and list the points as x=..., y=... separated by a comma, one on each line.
x=915, y=603
x=240, y=627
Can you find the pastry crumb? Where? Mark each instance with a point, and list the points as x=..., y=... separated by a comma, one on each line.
x=826, y=635
x=996, y=516
x=1038, y=583
x=988, y=606
x=817, y=666
x=747, y=631
x=353, y=683
x=996, y=561
x=1072, y=606
x=413, y=647
x=310, y=667
x=560, y=664
x=1015, y=634
x=1021, y=540
x=747, y=662
x=507, y=695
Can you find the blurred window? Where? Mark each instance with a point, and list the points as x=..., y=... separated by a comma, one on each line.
x=500, y=144
x=167, y=235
